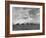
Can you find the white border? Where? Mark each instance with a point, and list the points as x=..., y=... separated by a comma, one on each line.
x=29, y=31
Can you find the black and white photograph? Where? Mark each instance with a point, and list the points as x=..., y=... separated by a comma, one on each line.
x=26, y=18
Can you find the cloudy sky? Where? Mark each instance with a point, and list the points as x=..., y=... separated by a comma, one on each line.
x=25, y=15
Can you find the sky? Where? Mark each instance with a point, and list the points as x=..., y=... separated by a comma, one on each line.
x=25, y=15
